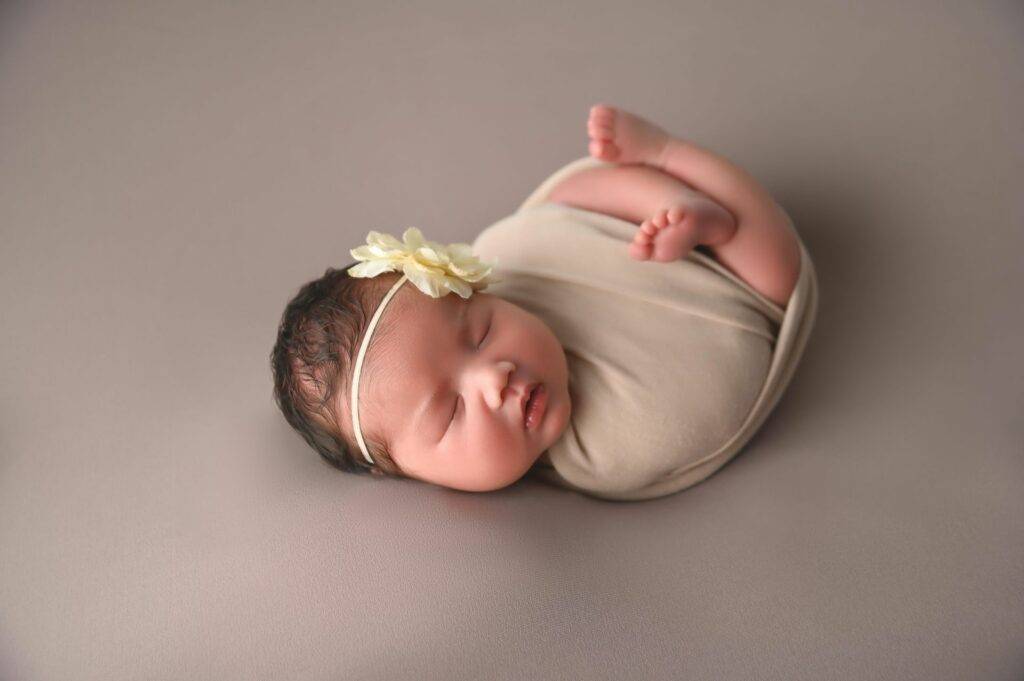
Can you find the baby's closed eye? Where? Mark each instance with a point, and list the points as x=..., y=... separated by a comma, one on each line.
x=487, y=330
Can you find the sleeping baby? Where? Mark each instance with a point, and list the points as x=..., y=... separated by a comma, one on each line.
x=623, y=334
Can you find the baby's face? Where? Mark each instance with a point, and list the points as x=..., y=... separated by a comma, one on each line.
x=449, y=382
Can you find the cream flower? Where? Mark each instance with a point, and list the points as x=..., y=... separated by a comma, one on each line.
x=434, y=269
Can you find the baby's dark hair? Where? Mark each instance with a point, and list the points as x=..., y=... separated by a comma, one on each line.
x=313, y=358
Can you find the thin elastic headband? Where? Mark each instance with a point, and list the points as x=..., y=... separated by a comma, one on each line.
x=359, y=365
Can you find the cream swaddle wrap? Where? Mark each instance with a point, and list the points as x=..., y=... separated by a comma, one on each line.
x=672, y=366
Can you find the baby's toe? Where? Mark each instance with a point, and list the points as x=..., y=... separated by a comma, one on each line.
x=647, y=227
x=676, y=214
x=660, y=218
x=599, y=130
x=604, y=150
x=603, y=114
x=640, y=251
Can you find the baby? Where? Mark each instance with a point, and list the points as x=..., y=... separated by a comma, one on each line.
x=604, y=316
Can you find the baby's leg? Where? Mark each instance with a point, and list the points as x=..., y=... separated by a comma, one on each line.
x=764, y=251
x=635, y=193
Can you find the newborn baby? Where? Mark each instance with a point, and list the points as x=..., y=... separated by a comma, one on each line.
x=609, y=356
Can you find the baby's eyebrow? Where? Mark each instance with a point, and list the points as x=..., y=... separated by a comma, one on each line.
x=463, y=321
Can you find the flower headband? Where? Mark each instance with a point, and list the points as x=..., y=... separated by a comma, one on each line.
x=434, y=269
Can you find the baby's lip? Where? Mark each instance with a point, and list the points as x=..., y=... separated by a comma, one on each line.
x=524, y=398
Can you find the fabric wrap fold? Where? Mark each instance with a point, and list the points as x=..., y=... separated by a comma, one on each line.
x=672, y=366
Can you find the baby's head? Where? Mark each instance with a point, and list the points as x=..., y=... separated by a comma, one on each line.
x=442, y=384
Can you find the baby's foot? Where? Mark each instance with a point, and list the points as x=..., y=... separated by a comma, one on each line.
x=673, y=232
x=621, y=137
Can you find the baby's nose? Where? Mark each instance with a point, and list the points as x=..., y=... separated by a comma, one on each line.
x=497, y=393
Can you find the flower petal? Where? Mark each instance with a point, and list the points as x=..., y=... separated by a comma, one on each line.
x=371, y=268
x=413, y=239
x=360, y=253
x=460, y=251
x=383, y=243
x=459, y=287
x=428, y=280
x=430, y=256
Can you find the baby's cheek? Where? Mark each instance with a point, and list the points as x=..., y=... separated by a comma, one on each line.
x=500, y=441
x=503, y=449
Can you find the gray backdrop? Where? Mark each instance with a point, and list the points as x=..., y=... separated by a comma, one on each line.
x=171, y=172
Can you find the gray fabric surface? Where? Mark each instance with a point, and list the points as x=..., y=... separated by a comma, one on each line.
x=170, y=173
